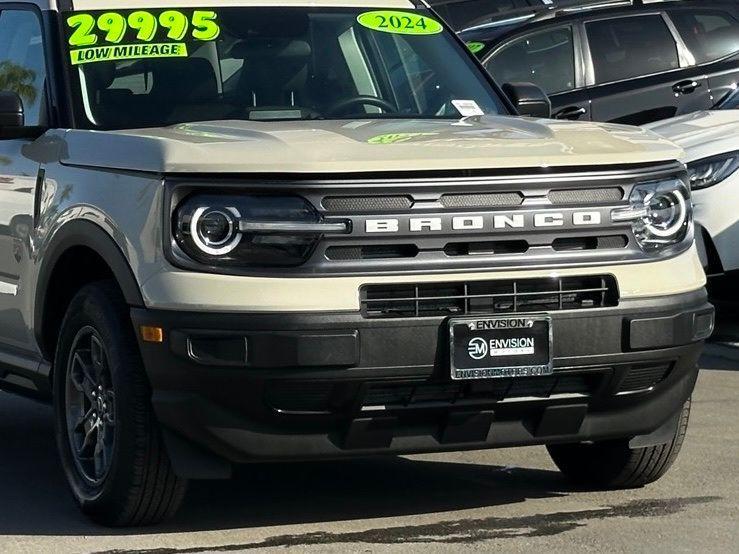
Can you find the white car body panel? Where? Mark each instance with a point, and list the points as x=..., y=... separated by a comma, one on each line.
x=705, y=135
x=488, y=142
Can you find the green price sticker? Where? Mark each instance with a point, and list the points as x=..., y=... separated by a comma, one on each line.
x=476, y=47
x=400, y=23
x=133, y=34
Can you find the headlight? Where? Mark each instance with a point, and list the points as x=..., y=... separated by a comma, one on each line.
x=249, y=230
x=661, y=214
x=705, y=173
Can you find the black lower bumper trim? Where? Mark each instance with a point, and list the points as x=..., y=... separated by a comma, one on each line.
x=305, y=386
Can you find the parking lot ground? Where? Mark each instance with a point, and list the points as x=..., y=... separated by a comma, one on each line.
x=506, y=499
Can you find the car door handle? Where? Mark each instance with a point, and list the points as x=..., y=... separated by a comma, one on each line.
x=686, y=87
x=572, y=112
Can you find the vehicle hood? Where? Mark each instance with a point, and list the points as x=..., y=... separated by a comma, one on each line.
x=701, y=134
x=364, y=146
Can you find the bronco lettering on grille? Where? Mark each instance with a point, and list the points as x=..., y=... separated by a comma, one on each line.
x=462, y=223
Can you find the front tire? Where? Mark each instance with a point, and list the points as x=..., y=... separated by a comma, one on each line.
x=107, y=435
x=614, y=465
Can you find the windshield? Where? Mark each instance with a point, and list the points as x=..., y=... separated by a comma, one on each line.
x=161, y=67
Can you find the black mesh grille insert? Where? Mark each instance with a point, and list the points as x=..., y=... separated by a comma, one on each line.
x=488, y=297
x=372, y=252
x=491, y=200
x=586, y=196
x=644, y=377
x=361, y=204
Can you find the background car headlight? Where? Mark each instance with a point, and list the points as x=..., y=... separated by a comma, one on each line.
x=661, y=214
x=711, y=171
x=246, y=230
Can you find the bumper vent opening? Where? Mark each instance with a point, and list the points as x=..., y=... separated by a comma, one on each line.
x=643, y=378
x=610, y=242
x=486, y=248
x=387, y=396
x=488, y=297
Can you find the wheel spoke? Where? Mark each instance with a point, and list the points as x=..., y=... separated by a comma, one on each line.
x=99, y=455
x=110, y=408
x=97, y=353
x=82, y=377
x=85, y=418
x=89, y=442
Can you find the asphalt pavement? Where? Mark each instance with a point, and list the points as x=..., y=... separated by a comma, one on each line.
x=512, y=500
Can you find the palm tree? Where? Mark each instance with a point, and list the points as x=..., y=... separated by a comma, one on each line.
x=18, y=79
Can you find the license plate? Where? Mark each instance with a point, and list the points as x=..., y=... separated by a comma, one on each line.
x=501, y=347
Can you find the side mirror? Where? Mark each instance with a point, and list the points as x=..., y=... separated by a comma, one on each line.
x=11, y=111
x=13, y=120
x=529, y=99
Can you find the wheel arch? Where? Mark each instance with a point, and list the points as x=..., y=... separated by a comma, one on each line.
x=79, y=253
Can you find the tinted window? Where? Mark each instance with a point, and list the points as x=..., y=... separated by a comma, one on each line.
x=546, y=59
x=287, y=63
x=631, y=47
x=709, y=35
x=22, y=68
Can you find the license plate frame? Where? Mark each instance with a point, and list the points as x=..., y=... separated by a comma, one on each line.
x=479, y=367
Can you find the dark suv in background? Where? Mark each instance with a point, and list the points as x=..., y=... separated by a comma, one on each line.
x=633, y=64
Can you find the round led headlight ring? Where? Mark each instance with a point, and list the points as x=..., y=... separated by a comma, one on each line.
x=667, y=213
x=215, y=231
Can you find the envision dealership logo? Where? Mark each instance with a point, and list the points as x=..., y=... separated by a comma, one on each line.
x=478, y=348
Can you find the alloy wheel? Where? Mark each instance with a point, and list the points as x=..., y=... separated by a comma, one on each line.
x=90, y=406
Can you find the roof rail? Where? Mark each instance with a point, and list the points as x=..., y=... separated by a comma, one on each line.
x=586, y=6
x=544, y=12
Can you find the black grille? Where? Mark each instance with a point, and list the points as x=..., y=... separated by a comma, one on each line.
x=644, y=377
x=586, y=196
x=488, y=297
x=491, y=200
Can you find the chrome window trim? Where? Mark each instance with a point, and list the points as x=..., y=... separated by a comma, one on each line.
x=687, y=59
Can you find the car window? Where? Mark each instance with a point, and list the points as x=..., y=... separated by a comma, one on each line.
x=546, y=59
x=710, y=35
x=631, y=47
x=277, y=64
x=22, y=68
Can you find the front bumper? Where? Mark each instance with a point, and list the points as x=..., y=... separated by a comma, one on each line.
x=235, y=388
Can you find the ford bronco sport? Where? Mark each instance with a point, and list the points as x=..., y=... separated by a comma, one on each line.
x=267, y=231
